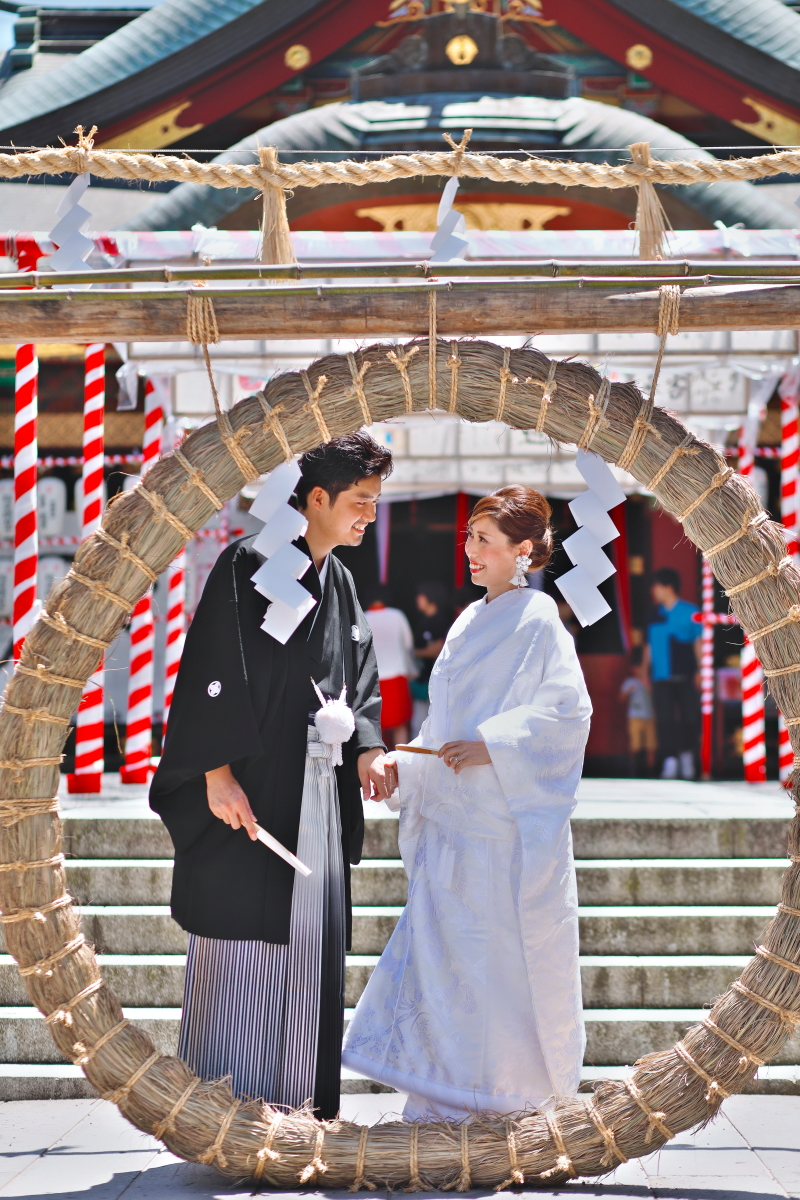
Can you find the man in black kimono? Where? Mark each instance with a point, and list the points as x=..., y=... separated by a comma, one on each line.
x=264, y=992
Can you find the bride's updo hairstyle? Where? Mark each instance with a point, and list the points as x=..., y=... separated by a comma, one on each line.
x=520, y=513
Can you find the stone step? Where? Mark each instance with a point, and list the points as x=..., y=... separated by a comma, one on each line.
x=613, y=1036
x=146, y=837
x=63, y=1081
x=25, y=1038
x=613, y=981
x=593, y=837
x=383, y=881
x=620, y=929
x=665, y=881
x=619, y=981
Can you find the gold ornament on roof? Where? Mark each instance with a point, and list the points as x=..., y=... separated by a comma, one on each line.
x=297, y=57
x=639, y=57
x=461, y=50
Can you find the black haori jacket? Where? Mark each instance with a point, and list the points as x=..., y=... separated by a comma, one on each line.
x=254, y=717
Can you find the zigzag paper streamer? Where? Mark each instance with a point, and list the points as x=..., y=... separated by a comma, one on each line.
x=449, y=240
x=73, y=245
x=277, y=578
x=585, y=547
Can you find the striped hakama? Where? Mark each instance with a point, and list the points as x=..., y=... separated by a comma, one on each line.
x=271, y=1016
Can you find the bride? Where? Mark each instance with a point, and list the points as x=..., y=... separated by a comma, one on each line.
x=475, y=1004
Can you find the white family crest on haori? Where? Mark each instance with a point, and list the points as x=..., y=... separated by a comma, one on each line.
x=277, y=578
x=476, y=1001
x=335, y=722
x=585, y=547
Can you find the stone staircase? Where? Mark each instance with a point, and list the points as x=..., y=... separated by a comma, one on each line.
x=663, y=931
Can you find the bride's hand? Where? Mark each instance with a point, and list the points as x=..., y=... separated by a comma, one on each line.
x=465, y=754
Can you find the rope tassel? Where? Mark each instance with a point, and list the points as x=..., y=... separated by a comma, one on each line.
x=275, y=245
x=651, y=221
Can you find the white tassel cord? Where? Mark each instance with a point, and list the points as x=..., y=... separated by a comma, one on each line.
x=335, y=723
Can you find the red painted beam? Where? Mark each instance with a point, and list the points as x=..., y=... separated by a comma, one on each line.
x=673, y=68
x=214, y=96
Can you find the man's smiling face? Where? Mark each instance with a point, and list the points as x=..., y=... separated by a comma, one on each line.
x=343, y=522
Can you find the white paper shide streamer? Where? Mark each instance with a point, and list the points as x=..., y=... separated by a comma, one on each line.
x=277, y=578
x=73, y=245
x=449, y=241
x=585, y=547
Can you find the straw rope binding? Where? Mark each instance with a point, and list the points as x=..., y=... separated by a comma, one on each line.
x=142, y=528
x=170, y=168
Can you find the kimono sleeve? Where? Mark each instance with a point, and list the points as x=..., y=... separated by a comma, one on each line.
x=211, y=720
x=537, y=746
x=366, y=703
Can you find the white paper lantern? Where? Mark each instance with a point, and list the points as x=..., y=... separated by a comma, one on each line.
x=6, y=587
x=52, y=570
x=51, y=505
x=7, y=509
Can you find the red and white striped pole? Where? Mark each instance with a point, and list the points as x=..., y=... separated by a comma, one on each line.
x=785, y=752
x=26, y=537
x=789, y=459
x=755, y=754
x=746, y=455
x=707, y=672
x=139, y=720
x=790, y=447
x=89, y=728
x=176, y=631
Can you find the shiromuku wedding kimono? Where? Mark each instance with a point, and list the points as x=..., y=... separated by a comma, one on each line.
x=476, y=1001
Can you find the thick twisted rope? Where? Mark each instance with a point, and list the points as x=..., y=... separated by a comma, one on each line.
x=169, y=168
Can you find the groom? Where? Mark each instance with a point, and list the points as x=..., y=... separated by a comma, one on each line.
x=264, y=991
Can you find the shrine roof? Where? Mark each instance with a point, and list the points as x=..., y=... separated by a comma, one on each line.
x=765, y=25
x=532, y=123
x=152, y=55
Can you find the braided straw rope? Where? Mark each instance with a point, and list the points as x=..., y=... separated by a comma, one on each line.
x=665, y=1095
x=169, y=168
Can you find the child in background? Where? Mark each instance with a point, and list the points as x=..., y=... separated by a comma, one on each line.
x=641, y=720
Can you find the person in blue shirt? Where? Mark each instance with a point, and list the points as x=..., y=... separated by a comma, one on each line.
x=673, y=658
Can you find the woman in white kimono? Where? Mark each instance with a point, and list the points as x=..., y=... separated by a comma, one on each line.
x=475, y=1004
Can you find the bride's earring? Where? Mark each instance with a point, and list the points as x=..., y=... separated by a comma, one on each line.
x=520, y=579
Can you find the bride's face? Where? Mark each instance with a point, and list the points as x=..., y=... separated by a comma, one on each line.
x=492, y=556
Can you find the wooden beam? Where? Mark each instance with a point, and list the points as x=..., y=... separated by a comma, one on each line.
x=382, y=310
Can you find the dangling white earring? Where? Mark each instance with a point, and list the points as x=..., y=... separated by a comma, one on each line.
x=520, y=579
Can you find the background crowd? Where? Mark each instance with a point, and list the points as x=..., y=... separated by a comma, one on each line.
x=661, y=691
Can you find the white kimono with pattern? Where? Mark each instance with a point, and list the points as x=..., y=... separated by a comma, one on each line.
x=476, y=1001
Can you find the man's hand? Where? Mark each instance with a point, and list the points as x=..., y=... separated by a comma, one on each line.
x=377, y=774
x=465, y=754
x=228, y=802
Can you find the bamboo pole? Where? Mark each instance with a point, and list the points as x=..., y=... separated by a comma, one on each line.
x=504, y=307
x=627, y=270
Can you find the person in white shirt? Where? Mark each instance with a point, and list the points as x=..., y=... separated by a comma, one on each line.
x=394, y=645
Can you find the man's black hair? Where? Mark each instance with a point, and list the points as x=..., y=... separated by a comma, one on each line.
x=668, y=577
x=338, y=464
